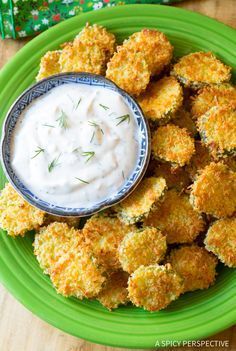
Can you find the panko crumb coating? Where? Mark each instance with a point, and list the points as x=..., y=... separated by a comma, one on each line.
x=176, y=219
x=142, y=201
x=200, y=160
x=175, y=178
x=103, y=234
x=71, y=221
x=129, y=70
x=142, y=247
x=53, y=242
x=213, y=95
x=114, y=293
x=230, y=162
x=201, y=68
x=172, y=144
x=49, y=65
x=221, y=240
x=161, y=100
x=218, y=131
x=214, y=191
x=183, y=119
x=154, y=45
x=16, y=215
x=195, y=265
x=154, y=287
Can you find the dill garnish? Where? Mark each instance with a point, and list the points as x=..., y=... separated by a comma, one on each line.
x=94, y=124
x=112, y=113
x=123, y=119
x=48, y=125
x=104, y=107
x=92, y=137
x=123, y=175
x=53, y=164
x=81, y=180
x=78, y=104
x=37, y=152
x=88, y=154
x=62, y=120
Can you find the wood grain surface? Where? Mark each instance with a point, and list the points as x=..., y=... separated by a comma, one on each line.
x=20, y=330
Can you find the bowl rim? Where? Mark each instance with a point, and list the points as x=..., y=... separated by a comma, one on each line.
x=56, y=210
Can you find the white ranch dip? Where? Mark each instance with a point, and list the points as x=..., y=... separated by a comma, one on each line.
x=76, y=145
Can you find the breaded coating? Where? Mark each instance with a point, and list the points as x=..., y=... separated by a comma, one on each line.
x=200, y=68
x=142, y=201
x=221, y=240
x=172, y=144
x=71, y=221
x=200, y=159
x=98, y=35
x=161, y=100
x=176, y=218
x=218, y=130
x=114, y=293
x=142, y=247
x=129, y=70
x=213, y=95
x=154, y=45
x=214, y=191
x=80, y=57
x=103, y=234
x=183, y=119
x=230, y=162
x=154, y=287
x=175, y=178
x=16, y=215
x=53, y=242
x=49, y=65
x=195, y=265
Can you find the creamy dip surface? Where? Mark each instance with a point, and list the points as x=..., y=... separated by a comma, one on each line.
x=76, y=145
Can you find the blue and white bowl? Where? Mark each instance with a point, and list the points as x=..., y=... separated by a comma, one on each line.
x=40, y=89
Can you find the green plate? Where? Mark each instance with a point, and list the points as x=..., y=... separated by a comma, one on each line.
x=194, y=315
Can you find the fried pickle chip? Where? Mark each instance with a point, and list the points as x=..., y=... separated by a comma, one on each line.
x=200, y=159
x=183, y=119
x=218, y=130
x=114, y=293
x=154, y=45
x=53, y=242
x=195, y=265
x=144, y=246
x=172, y=144
x=16, y=215
x=221, y=240
x=71, y=221
x=103, y=234
x=143, y=200
x=214, y=191
x=230, y=162
x=177, y=178
x=154, y=287
x=49, y=65
x=176, y=218
x=129, y=70
x=200, y=68
x=161, y=99
x=213, y=95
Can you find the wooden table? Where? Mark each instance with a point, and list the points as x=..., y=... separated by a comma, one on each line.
x=22, y=331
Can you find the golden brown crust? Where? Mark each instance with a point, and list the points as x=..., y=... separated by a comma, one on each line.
x=161, y=99
x=16, y=215
x=183, y=119
x=129, y=70
x=214, y=191
x=176, y=219
x=49, y=65
x=175, y=178
x=154, y=287
x=200, y=159
x=195, y=265
x=172, y=144
x=142, y=247
x=71, y=221
x=154, y=45
x=221, y=240
x=200, y=68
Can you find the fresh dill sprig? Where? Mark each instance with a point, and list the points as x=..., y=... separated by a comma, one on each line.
x=123, y=119
x=63, y=120
x=77, y=105
x=92, y=137
x=112, y=114
x=48, y=125
x=82, y=180
x=104, y=107
x=53, y=164
x=94, y=124
x=123, y=175
x=88, y=154
x=37, y=152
